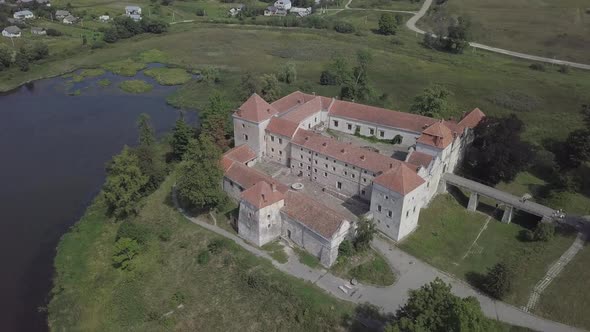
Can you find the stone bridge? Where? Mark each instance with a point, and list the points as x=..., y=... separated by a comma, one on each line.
x=510, y=201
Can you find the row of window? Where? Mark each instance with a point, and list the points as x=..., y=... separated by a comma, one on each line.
x=272, y=139
x=349, y=126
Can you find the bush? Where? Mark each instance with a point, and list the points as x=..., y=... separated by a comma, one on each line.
x=203, y=257
x=346, y=249
x=98, y=44
x=125, y=250
x=364, y=234
x=564, y=69
x=537, y=66
x=165, y=234
x=327, y=78
x=200, y=12
x=133, y=231
x=217, y=245
x=498, y=281
x=387, y=24
x=54, y=33
x=544, y=231
x=344, y=27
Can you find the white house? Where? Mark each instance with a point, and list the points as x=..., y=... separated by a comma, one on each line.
x=104, y=18
x=283, y=4
x=301, y=12
x=69, y=19
x=24, y=15
x=11, y=32
x=61, y=14
x=38, y=31
x=132, y=10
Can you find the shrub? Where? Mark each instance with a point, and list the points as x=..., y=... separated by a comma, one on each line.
x=537, y=66
x=98, y=44
x=346, y=249
x=125, y=250
x=364, y=234
x=544, y=231
x=387, y=24
x=498, y=281
x=133, y=231
x=327, y=78
x=564, y=69
x=396, y=42
x=217, y=245
x=165, y=234
x=53, y=32
x=203, y=257
x=344, y=27
x=200, y=12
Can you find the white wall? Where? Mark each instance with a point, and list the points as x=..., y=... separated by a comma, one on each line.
x=255, y=134
x=371, y=129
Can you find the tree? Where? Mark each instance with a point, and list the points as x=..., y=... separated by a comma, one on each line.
x=125, y=250
x=356, y=86
x=84, y=40
x=434, y=308
x=457, y=36
x=150, y=161
x=327, y=78
x=577, y=146
x=181, y=136
x=124, y=184
x=497, y=152
x=387, y=24
x=199, y=175
x=288, y=73
x=22, y=61
x=5, y=57
x=344, y=27
x=340, y=70
x=146, y=132
x=498, y=280
x=110, y=35
x=364, y=234
x=249, y=85
x=270, y=89
x=153, y=25
x=432, y=102
x=215, y=120
x=543, y=232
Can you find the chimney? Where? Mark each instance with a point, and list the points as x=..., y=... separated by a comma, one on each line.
x=343, y=151
x=363, y=157
x=263, y=197
x=273, y=186
x=325, y=144
x=391, y=165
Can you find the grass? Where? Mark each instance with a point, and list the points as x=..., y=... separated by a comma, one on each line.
x=104, y=82
x=307, y=258
x=564, y=299
x=385, y=4
x=87, y=73
x=553, y=28
x=168, y=76
x=233, y=290
x=446, y=233
x=276, y=251
x=127, y=67
x=135, y=86
x=367, y=267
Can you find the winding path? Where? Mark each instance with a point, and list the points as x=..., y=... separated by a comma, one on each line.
x=411, y=272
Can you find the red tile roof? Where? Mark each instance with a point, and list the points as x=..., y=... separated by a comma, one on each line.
x=419, y=159
x=226, y=163
x=255, y=109
x=242, y=153
x=437, y=135
x=280, y=126
x=344, y=152
x=401, y=179
x=316, y=216
x=472, y=119
x=380, y=116
x=291, y=100
x=303, y=111
x=262, y=194
x=246, y=177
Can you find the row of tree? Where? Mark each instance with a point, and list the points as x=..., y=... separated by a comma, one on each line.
x=125, y=27
x=26, y=54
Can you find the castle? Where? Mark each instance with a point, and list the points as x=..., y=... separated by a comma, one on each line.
x=292, y=132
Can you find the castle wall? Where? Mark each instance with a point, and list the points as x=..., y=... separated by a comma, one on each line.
x=371, y=129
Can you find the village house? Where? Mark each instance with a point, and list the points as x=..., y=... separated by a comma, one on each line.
x=274, y=11
x=290, y=133
x=69, y=19
x=61, y=14
x=283, y=4
x=104, y=18
x=11, y=32
x=38, y=31
x=134, y=12
x=301, y=12
x=24, y=15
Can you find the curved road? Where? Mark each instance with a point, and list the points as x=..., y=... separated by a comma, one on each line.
x=411, y=272
x=411, y=24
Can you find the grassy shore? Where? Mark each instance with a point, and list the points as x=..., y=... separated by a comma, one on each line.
x=232, y=291
x=135, y=86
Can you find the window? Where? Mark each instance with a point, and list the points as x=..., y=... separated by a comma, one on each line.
x=301, y=149
x=326, y=165
x=379, y=208
x=316, y=162
x=300, y=164
x=243, y=125
x=272, y=138
x=315, y=170
x=268, y=225
x=345, y=173
x=389, y=213
x=334, y=168
x=407, y=213
x=381, y=133
x=315, y=119
x=364, y=180
x=372, y=131
x=249, y=214
x=414, y=210
x=245, y=137
x=272, y=149
x=335, y=123
x=309, y=159
x=301, y=156
x=308, y=168
x=349, y=126
x=325, y=174
x=326, y=158
x=231, y=184
x=268, y=217
x=280, y=152
x=309, y=126
x=280, y=140
x=352, y=175
x=386, y=197
x=339, y=185
x=362, y=192
x=428, y=184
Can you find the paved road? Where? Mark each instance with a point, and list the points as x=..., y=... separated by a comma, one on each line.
x=411, y=273
x=411, y=24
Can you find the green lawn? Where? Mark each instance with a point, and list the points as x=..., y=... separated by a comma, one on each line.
x=168, y=76
x=306, y=258
x=277, y=251
x=550, y=28
x=367, y=267
x=234, y=290
x=387, y=4
x=447, y=230
x=135, y=86
x=564, y=299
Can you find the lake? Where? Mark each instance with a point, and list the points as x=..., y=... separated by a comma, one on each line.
x=54, y=147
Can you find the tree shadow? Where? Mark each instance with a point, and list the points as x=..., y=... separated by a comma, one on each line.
x=476, y=280
x=368, y=317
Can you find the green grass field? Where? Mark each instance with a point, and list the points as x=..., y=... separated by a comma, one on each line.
x=550, y=28
x=445, y=239
x=563, y=300
x=367, y=267
x=135, y=86
x=231, y=291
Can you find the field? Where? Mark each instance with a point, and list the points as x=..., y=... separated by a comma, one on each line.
x=367, y=267
x=550, y=28
x=446, y=235
x=232, y=290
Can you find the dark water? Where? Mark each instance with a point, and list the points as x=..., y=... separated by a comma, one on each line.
x=53, y=148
